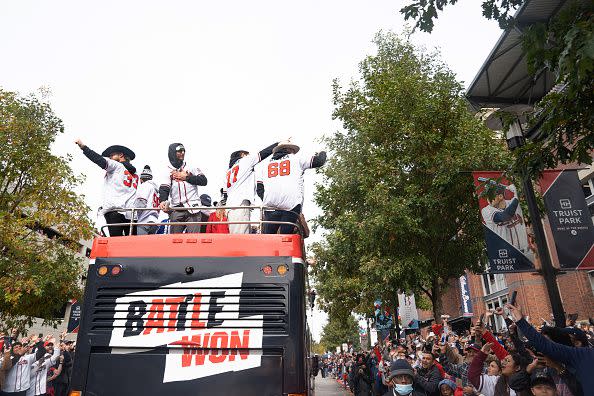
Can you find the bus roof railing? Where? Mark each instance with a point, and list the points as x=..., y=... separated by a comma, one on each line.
x=260, y=222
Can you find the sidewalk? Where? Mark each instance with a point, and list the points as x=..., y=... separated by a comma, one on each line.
x=330, y=387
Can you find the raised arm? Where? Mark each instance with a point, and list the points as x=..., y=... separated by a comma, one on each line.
x=93, y=156
x=498, y=349
x=555, y=351
x=267, y=152
x=507, y=213
x=475, y=370
x=318, y=159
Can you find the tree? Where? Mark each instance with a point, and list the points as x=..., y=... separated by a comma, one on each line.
x=564, y=46
x=340, y=330
x=41, y=218
x=398, y=202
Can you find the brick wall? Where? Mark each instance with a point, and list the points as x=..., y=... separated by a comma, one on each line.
x=575, y=289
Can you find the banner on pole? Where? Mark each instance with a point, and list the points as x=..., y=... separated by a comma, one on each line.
x=74, y=318
x=465, y=297
x=407, y=310
x=373, y=336
x=569, y=218
x=508, y=247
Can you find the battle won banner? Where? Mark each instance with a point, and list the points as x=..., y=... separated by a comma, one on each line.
x=508, y=246
x=569, y=218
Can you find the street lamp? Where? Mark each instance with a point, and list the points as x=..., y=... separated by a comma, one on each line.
x=515, y=138
x=311, y=295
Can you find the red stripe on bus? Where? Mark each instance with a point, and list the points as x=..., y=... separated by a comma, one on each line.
x=209, y=245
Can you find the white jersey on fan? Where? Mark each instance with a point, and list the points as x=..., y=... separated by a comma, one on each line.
x=182, y=193
x=283, y=180
x=18, y=378
x=39, y=370
x=119, y=187
x=148, y=192
x=241, y=183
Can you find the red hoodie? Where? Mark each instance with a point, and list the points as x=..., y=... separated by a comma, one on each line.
x=217, y=228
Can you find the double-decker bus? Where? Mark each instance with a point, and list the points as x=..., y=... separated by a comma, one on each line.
x=194, y=314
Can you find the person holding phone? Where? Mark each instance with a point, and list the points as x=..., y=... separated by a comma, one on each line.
x=580, y=360
x=6, y=363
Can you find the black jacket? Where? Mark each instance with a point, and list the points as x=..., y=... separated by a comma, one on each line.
x=428, y=380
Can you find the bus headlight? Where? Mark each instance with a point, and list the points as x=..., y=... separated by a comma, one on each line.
x=282, y=269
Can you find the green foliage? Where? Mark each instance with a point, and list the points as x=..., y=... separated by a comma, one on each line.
x=425, y=11
x=38, y=274
x=565, y=118
x=317, y=348
x=398, y=199
x=340, y=330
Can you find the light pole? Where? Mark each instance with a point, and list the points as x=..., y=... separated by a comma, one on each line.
x=515, y=138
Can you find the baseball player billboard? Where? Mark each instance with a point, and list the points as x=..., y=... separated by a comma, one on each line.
x=569, y=218
x=508, y=246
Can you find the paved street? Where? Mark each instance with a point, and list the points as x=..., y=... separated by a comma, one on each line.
x=329, y=387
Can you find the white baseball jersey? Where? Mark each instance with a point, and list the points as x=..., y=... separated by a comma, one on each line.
x=148, y=194
x=182, y=193
x=513, y=230
x=39, y=370
x=241, y=183
x=119, y=187
x=18, y=377
x=283, y=180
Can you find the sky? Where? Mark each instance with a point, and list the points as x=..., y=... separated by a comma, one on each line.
x=216, y=76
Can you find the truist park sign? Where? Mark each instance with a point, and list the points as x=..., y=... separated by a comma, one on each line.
x=199, y=314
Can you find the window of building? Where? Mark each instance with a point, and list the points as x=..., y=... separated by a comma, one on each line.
x=591, y=275
x=497, y=321
x=492, y=283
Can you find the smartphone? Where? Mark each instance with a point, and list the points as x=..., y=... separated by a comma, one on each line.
x=512, y=301
x=7, y=342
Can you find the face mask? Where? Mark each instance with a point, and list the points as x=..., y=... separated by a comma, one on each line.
x=400, y=389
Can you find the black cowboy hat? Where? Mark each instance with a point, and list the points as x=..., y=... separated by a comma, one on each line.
x=119, y=149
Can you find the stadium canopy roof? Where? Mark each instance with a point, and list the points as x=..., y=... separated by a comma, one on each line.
x=503, y=80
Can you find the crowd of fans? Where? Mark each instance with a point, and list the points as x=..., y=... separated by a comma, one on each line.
x=521, y=360
x=35, y=365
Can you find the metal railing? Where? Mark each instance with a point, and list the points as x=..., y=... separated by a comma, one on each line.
x=133, y=223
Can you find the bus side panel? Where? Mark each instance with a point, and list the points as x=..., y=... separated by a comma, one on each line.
x=83, y=344
x=107, y=367
x=142, y=374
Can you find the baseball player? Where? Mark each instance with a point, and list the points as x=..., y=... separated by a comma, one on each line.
x=119, y=186
x=147, y=197
x=180, y=188
x=504, y=217
x=240, y=187
x=281, y=185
